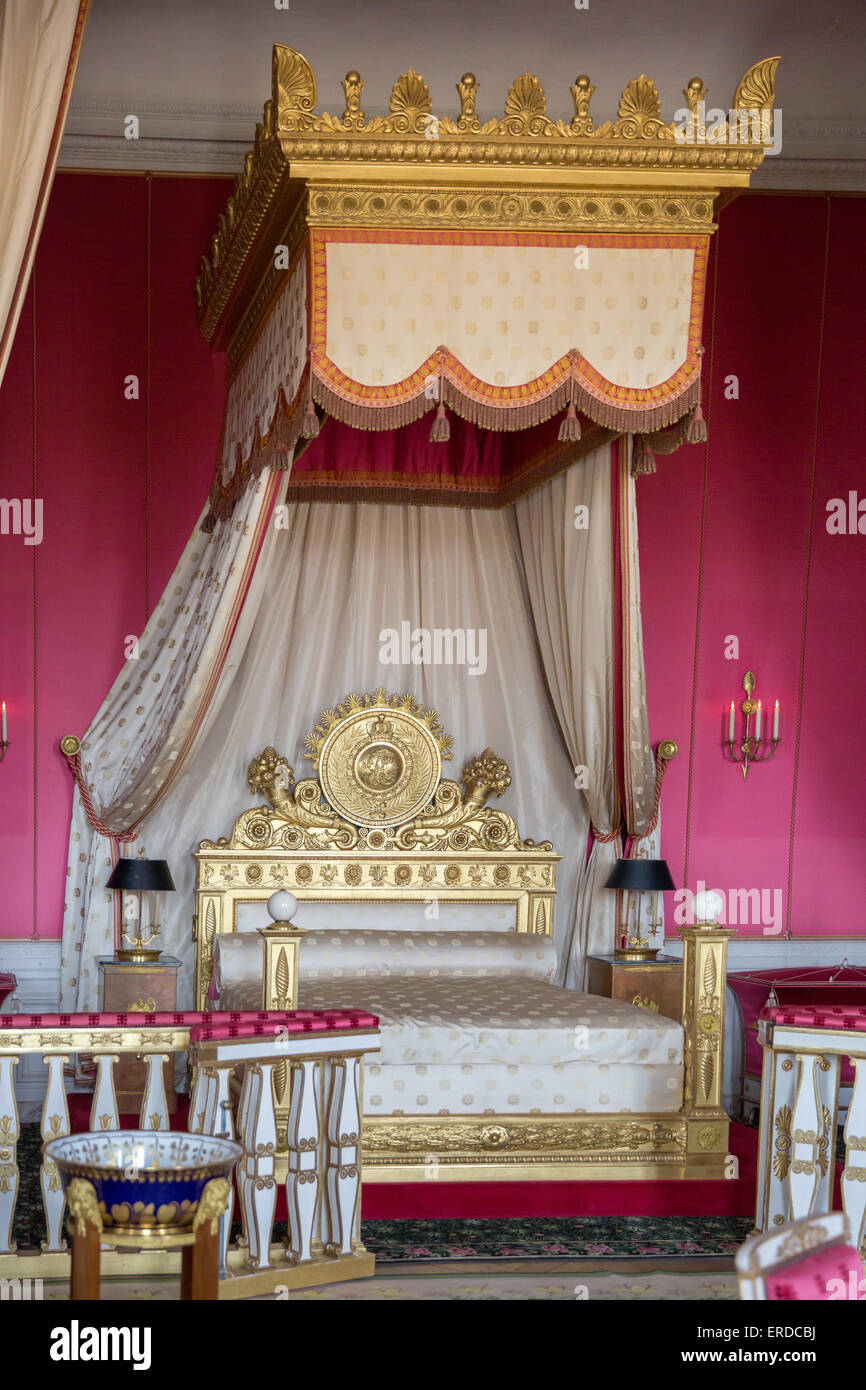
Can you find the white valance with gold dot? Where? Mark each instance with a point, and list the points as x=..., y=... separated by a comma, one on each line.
x=512, y=326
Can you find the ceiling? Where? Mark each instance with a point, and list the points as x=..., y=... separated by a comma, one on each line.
x=196, y=72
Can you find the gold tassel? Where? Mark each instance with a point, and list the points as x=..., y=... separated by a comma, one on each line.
x=310, y=424
x=697, y=430
x=643, y=459
x=570, y=427
x=440, y=431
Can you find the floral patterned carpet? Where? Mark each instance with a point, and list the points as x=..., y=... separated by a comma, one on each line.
x=563, y=1259
x=456, y=1239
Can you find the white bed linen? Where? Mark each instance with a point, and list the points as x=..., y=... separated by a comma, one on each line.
x=509, y=1045
x=566, y=1088
x=346, y=954
x=503, y=1020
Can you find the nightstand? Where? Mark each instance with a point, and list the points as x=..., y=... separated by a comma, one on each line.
x=650, y=984
x=138, y=987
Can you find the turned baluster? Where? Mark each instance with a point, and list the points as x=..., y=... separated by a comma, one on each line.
x=154, y=1102
x=302, y=1179
x=103, y=1111
x=259, y=1138
x=813, y=1134
x=10, y=1132
x=854, y=1176
x=343, y=1160
x=55, y=1124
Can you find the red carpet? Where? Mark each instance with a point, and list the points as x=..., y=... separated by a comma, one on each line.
x=731, y=1197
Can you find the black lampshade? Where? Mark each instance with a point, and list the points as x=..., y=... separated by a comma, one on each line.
x=641, y=876
x=142, y=876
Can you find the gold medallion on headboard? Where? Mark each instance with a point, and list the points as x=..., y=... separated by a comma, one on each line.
x=378, y=824
x=380, y=766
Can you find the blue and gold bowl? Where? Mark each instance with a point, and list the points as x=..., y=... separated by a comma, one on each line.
x=146, y=1183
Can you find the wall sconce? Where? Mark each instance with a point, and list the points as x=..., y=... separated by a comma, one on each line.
x=4, y=742
x=750, y=750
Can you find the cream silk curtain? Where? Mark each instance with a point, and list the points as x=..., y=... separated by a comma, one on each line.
x=280, y=613
x=327, y=587
x=638, y=763
x=566, y=543
x=158, y=708
x=39, y=46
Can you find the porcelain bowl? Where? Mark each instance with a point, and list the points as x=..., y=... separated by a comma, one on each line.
x=146, y=1182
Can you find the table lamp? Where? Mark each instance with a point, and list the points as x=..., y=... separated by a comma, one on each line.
x=638, y=876
x=140, y=876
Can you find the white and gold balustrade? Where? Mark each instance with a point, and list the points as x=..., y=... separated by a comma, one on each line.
x=316, y=1056
x=803, y=1051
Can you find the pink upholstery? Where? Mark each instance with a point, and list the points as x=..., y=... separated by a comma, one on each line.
x=848, y=1017
x=205, y=1024
x=322, y=1021
x=823, y=1275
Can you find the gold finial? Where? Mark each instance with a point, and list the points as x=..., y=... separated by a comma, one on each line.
x=353, y=85
x=70, y=745
x=693, y=93
x=467, y=90
x=581, y=92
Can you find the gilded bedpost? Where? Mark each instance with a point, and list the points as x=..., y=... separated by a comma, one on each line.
x=705, y=948
x=280, y=943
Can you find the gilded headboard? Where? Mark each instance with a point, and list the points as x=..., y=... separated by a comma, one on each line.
x=378, y=824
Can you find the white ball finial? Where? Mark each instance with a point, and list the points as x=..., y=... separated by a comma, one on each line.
x=708, y=905
x=282, y=905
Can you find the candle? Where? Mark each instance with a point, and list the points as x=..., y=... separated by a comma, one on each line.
x=731, y=724
x=3, y=725
x=758, y=722
x=655, y=911
x=623, y=909
x=776, y=722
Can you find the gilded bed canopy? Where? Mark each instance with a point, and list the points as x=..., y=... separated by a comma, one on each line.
x=490, y=275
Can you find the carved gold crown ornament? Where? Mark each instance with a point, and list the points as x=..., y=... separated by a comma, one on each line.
x=524, y=169
x=379, y=760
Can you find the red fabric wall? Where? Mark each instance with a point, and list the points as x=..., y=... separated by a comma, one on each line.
x=69, y=603
x=736, y=522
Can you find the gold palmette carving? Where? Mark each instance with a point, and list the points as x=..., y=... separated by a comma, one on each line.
x=756, y=90
x=523, y=147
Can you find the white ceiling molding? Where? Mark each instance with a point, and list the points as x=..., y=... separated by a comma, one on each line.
x=201, y=138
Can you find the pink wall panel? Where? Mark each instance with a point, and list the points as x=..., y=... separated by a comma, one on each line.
x=751, y=564
x=100, y=524
x=829, y=867
x=16, y=645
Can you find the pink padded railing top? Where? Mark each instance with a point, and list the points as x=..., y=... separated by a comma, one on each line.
x=206, y=1025
x=847, y=1017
